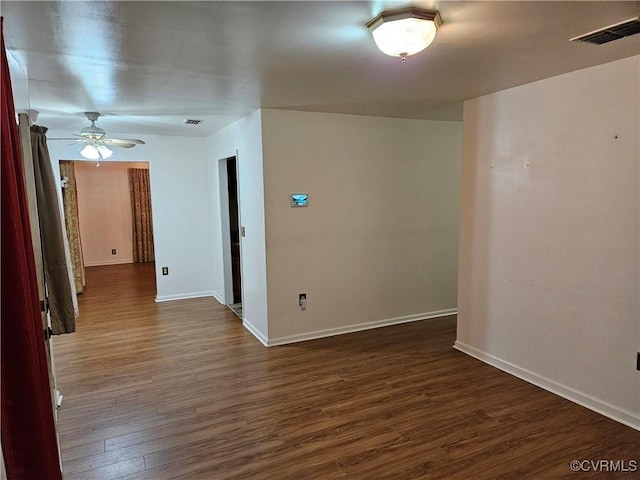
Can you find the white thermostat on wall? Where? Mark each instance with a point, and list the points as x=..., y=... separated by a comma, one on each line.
x=299, y=199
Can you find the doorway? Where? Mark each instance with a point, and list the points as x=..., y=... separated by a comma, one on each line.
x=231, y=224
x=110, y=227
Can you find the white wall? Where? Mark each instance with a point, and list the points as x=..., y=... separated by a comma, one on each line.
x=19, y=85
x=104, y=211
x=179, y=194
x=378, y=242
x=245, y=138
x=549, y=248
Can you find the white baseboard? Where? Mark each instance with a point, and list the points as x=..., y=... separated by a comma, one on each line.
x=302, y=337
x=218, y=297
x=183, y=296
x=107, y=262
x=255, y=332
x=602, y=407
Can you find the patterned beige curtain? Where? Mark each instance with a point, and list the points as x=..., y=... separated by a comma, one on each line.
x=72, y=222
x=140, y=191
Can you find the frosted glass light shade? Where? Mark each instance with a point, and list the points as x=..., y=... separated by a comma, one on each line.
x=104, y=152
x=404, y=37
x=404, y=32
x=93, y=152
x=90, y=152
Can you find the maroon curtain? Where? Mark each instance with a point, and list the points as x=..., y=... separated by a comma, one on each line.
x=29, y=441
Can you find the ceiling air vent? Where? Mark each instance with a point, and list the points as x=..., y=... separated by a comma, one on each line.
x=611, y=33
x=192, y=121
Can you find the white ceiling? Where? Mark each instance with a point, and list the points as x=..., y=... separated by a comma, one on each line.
x=148, y=65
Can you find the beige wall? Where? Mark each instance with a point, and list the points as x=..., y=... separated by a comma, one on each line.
x=104, y=209
x=378, y=241
x=549, y=243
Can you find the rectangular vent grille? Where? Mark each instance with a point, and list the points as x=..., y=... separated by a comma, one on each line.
x=191, y=121
x=611, y=33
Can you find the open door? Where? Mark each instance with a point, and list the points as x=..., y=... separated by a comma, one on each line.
x=234, y=229
x=230, y=209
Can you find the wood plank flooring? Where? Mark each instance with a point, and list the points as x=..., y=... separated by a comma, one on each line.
x=181, y=390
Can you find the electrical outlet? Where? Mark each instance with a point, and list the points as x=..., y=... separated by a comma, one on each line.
x=302, y=301
x=113, y=251
x=165, y=270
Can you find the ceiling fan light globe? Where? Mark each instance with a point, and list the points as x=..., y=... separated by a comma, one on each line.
x=90, y=152
x=104, y=152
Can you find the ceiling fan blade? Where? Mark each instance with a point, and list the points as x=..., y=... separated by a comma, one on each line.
x=121, y=142
x=97, y=137
x=74, y=141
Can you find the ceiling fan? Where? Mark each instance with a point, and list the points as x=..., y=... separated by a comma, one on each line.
x=96, y=140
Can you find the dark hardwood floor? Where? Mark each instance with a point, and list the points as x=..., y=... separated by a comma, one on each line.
x=181, y=390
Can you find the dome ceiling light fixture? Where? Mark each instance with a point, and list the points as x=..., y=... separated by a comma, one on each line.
x=404, y=32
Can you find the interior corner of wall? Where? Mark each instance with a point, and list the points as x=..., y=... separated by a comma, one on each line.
x=261, y=336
